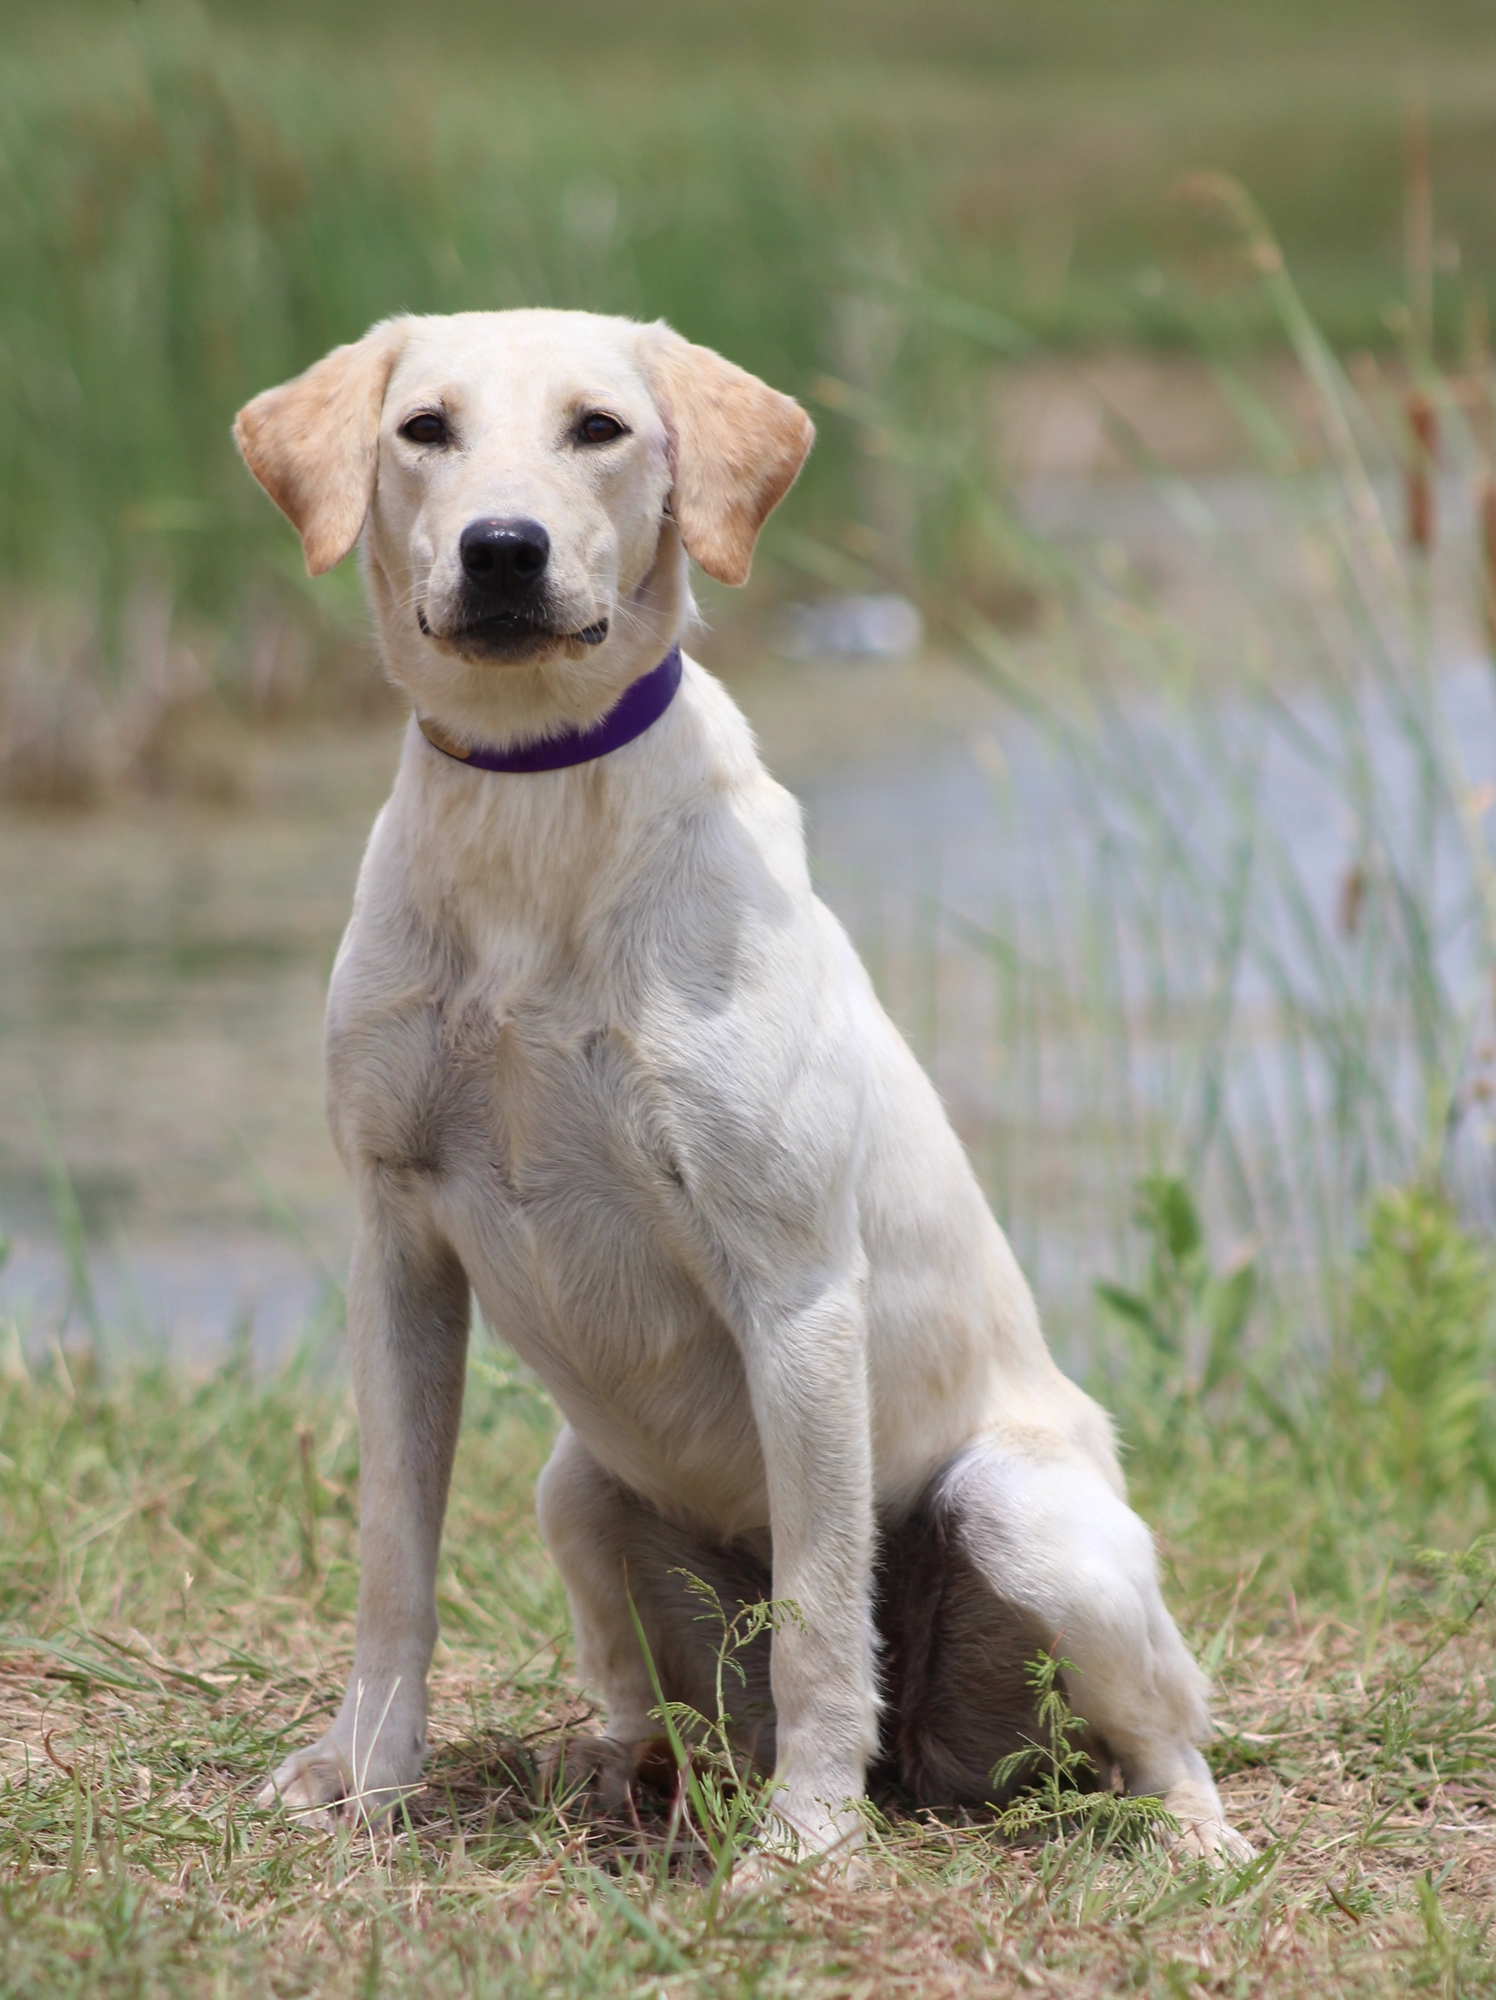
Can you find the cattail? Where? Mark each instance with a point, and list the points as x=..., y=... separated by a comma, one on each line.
x=1486, y=515
x=1424, y=428
x=1352, y=896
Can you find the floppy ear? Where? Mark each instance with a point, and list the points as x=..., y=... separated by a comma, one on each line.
x=313, y=443
x=735, y=448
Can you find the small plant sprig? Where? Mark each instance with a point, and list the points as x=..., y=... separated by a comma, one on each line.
x=1470, y=1577
x=1056, y=1768
x=731, y=1805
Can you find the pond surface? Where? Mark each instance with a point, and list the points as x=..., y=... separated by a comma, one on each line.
x=163, y=968
x=163, y=965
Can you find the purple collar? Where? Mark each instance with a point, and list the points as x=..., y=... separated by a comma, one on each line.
x=642, y=702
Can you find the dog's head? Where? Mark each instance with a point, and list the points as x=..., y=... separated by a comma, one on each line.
x=523, y=483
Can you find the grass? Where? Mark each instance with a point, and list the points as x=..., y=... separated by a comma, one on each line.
x=177, y=1603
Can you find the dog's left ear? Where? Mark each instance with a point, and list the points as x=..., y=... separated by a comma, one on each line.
x=313, y=443
x=735, y=448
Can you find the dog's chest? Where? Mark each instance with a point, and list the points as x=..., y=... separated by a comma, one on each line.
x=543, y=1141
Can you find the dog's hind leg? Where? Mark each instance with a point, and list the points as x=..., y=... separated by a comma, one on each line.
x=615, y=1551
x=588, y=1520
x=1070, y=1568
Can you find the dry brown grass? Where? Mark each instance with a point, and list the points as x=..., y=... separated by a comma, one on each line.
x=487, y=1884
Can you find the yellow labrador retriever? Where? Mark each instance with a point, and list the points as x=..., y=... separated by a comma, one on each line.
x=596, y=1053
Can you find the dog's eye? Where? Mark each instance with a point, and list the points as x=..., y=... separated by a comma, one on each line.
x=600, y=429
x=425, y=428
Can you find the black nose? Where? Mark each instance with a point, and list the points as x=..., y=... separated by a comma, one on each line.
x=504, y=558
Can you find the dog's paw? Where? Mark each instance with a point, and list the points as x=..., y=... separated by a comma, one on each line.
x=758, y=1869
x=316, y=1786
x=802, y=1833
x=1215, y=1841
x=766, y=1866
x=1204, y=1833
x=601, y=1768
x=308, y=1784
x=761, y=1869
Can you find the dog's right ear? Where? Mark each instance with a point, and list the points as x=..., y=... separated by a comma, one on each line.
x=313, y=443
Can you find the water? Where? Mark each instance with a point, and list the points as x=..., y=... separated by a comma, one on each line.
x=162, y=975
x=162, y=966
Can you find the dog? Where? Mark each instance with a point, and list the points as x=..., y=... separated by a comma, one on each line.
x=597, y=1055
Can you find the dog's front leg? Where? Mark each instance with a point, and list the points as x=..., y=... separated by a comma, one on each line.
x=407, y=1327
x=807, y=1376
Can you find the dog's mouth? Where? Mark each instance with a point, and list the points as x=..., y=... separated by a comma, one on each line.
x=510, y=635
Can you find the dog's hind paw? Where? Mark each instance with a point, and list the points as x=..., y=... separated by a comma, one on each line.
x=604, y=1769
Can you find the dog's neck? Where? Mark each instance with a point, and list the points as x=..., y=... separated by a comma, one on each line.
x=529, y=856
x=638, y=708
x=472, y=702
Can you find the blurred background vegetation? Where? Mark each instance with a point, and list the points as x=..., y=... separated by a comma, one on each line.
x=198, y=197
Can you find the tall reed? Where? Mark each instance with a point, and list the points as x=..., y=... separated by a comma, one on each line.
x=1245, y=927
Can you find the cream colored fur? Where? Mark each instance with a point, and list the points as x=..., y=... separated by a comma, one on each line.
x=596, y=1052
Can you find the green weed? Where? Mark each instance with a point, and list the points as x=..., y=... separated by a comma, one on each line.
x=1053, y=1772
x=1185, y=1326
x=730, y=1802
x=1413, y=1376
